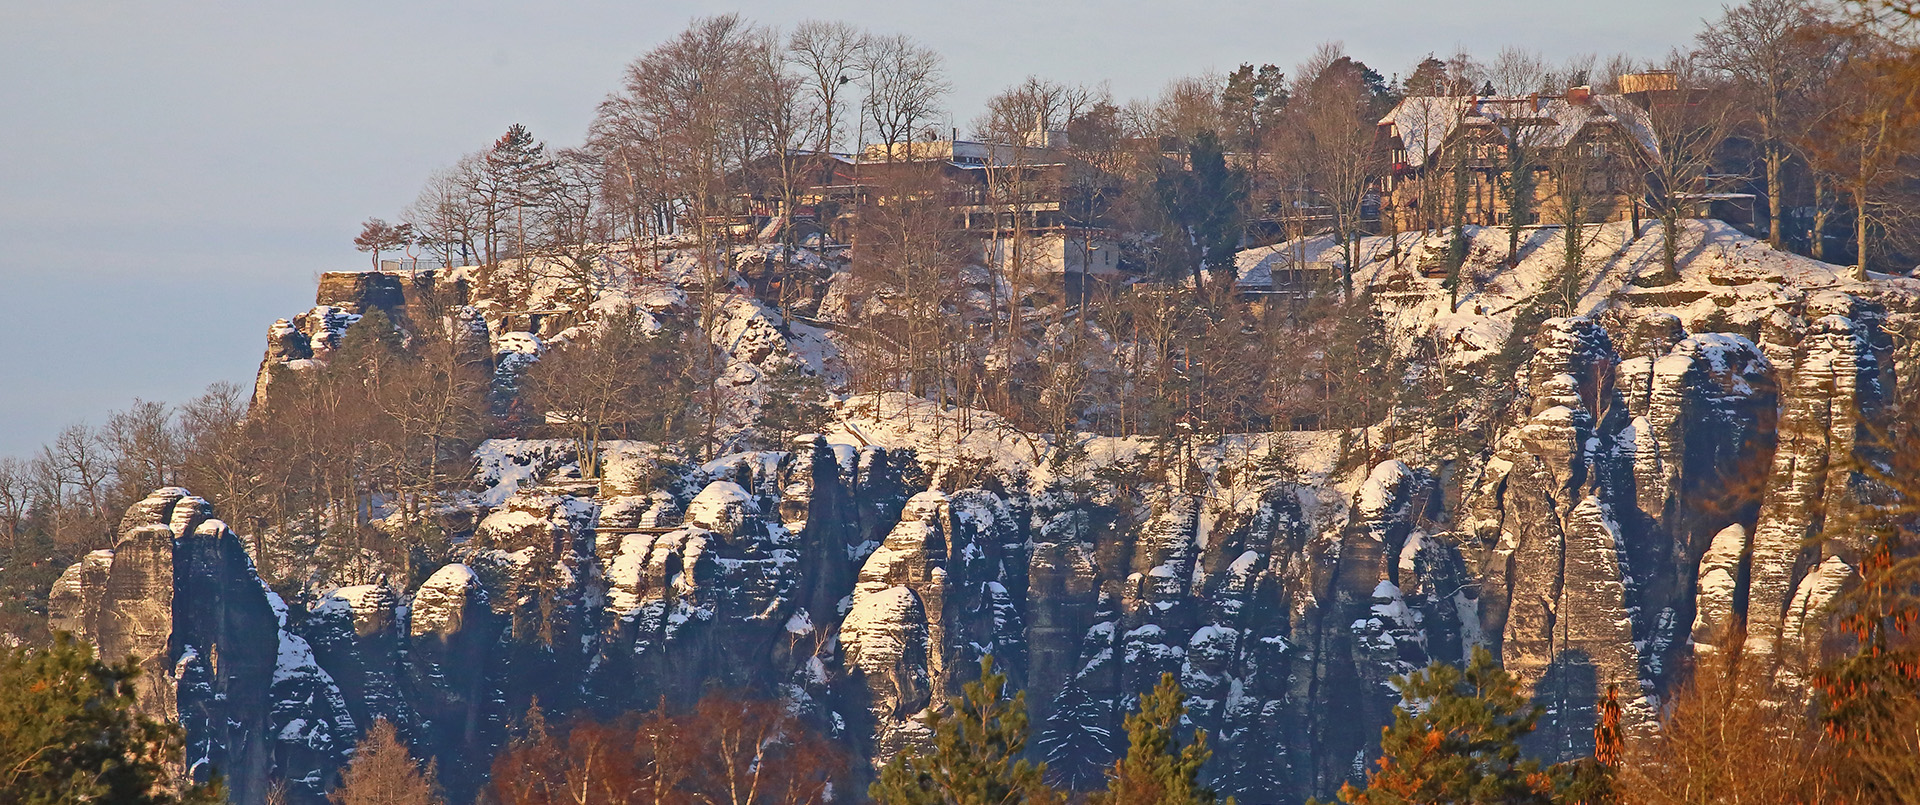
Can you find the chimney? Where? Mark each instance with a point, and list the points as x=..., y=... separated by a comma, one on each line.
x=1581, y=95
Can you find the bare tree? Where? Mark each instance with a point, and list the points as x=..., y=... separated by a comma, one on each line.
x=828, y=57
x=784, y=123
x=1867, y=138
x=1017, y=122
x=577, y=232
x=910, y=256
x=1686, y=126
x=1522, y=133
x=1773, y=51
x=1584, y=170
x=16, y=491
x=144, y=447
x=618, y=381
x=637, y=184
x=757, y=753
x=1184, y=108
x=695, y=101
x=1517, y=71
x=74, y=474
x=445, y=219
x=225, y=461
x=1024, y=113
x=904, y=83
x=1723, y=739
x=1337, y=114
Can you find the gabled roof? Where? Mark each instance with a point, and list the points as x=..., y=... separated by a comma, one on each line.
x=1423, y=123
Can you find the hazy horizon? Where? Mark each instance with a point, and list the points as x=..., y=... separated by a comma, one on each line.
x=179, y=178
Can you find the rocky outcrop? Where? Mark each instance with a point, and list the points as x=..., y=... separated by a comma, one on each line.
x=73, y=606
x=179, y=593
x=1839, y=396
x=453, y=635
x=894, y=632
x=1643, y=490
x=409, y=297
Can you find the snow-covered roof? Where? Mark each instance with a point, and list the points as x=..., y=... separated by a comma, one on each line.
x=1423, y=123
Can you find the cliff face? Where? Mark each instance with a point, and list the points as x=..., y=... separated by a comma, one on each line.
x=179, y=592
x=1649, y=490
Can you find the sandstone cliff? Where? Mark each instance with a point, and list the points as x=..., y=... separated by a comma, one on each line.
x=1657, y=465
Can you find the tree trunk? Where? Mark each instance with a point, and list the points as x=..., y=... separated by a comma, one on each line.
x=1776, y=158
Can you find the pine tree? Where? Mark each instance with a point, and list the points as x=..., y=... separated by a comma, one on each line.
x=69, y=733
x=383, y=773
x=1253, y=103
x=369, y=344
x=1157, y=770
x=1456, y=739
x=975, y=755
x=522, y=170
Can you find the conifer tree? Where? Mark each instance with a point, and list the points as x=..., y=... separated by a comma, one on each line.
x=1077, y=742
x=1456, y=739
x=975, y=758
x=383, y=773
x=1156, y=769
x=795, y=406
x=1205, y=203
x=69, y=733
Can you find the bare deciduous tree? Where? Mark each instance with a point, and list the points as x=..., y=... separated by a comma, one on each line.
x=1337, y=111
x=1687, y=125
x=1775, y=54
x=616, y=381
x=445, y=217
x=828, y=56
x=904, y=83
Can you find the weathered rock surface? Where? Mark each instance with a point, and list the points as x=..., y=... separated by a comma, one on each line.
x=1647, y=495
x=181, y=595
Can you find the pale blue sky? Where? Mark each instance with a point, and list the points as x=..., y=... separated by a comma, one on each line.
x=174, y=176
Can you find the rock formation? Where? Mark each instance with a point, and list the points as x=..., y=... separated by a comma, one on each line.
x=1653, y=473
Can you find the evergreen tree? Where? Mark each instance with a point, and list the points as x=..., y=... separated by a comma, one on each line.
x=69, y=733
x=1252, y=103
x=1077, y=741
x=383, y=773
x=1456, y=738
x=1205, y=203
x=795, y=405
x=1157, y=770
x=522, y=172
x=368, y=345
x=975, y=755
x=1431, y=77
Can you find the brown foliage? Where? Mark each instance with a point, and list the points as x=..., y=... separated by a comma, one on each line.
x=383, y=773
x=726, y=751
x=1725, y=740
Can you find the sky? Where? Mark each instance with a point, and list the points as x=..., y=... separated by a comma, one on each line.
x=175, y=176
